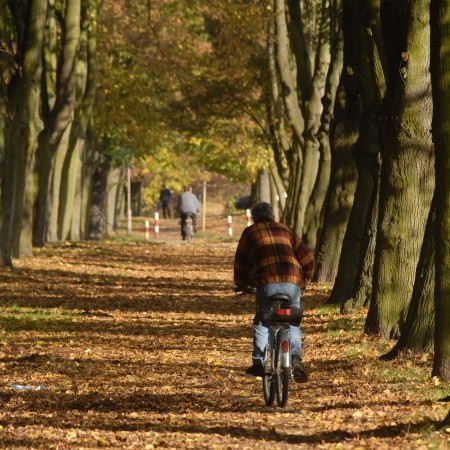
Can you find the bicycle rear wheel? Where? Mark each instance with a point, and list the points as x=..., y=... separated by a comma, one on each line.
x=281, y=373
x=188, y=229
x=268, y=379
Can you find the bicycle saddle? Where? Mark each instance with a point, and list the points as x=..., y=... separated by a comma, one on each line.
x=279, y=297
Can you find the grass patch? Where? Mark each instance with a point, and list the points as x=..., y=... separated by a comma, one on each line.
x=16, y=318
x=326, y=309
x=216, y=237
x=346, y=324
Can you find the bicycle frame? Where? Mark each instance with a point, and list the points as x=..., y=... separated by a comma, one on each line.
x=280, y=332
x=278, y=365
x=188, y=229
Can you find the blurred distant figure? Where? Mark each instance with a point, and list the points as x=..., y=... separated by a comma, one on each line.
x=188, y=204
x=164, y=198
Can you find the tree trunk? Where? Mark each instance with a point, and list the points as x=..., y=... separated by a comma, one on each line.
x=17, y=188
x=301, y=50
x=274, y=198
x=363, y=285
x=418, y=330
x=407, y=164
x=277, y=134
x=119, y=212
x=70, y=217
x=97, y=217
x=263, y=187
x=58, y=117
x=314, y=211
x=358, y=79
x=136, y=198
x=113, y=185
x=440, y=66
x=277, y=188
x=88, y=169
x=341, y=188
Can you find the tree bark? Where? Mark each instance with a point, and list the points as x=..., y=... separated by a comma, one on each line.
x=407, y=180
x=363, y=285
x=58, y=117
x=20, y=143
x=418, y=330
x=341, y=188
x=263, y=187
x=301, y=50
x=97, y=216
x=70, y=217
x=359, y=81
x=113, y=185
x=440, y=66
x=314, y=211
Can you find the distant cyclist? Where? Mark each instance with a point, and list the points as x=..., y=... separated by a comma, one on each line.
x=272, y=257
x=188, y=204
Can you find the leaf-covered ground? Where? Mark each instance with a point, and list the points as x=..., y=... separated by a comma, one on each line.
x=144, y=345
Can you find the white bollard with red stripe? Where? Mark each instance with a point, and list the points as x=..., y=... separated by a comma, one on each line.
x=147, y=230
x=249, y=217
x=230, y=226
x=156, y=224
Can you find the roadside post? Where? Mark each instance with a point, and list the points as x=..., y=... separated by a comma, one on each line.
x=129, y=225
x=156, y=224
x=230, y=226
x=147, y=230
x=204, y=207
x=249, y=217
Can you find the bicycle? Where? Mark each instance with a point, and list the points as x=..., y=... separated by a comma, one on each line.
x=188, y=227
x=278, y=363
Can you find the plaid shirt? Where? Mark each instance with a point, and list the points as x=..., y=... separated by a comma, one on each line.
x=270, y=252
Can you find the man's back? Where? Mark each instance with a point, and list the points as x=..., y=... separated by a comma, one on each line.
x=270, y=252
x=188, y=203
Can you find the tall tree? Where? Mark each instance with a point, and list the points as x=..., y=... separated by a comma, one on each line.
x=78, y=167
x=61, y=53
x=354, y=137
x=302, y=66
x=440, y=66
x=314, y=212
x=22, y=128
x=417, y=332
x=407, y=178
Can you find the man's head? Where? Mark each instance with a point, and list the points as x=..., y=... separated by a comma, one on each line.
x=262, y=212
x=187, y=189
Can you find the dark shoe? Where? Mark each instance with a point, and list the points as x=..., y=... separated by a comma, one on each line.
x=300, y=373
x=256, y=370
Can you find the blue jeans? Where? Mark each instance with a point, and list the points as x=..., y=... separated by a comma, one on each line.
x=260, y=330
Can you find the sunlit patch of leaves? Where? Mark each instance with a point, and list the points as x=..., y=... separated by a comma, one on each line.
x=144, y=345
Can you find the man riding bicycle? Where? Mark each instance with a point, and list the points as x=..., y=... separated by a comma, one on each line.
x=188, y=204
x=272, y=257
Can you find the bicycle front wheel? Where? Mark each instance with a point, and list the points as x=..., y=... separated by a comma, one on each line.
x=268, y=379
x=281, y=373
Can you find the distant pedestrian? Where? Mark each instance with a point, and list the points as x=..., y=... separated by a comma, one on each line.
x=165, y=197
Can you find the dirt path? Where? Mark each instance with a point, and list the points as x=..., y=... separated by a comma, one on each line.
x=144, y=345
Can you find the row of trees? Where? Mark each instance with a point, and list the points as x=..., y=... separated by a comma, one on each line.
x=378, y=228
x=48, y=63
x=330, y=101
x=63, y=155
x=345, y=104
